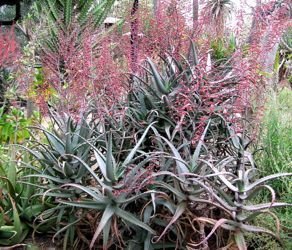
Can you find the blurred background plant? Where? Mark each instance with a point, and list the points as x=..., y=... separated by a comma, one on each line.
x=13, y=126
x=222, y=49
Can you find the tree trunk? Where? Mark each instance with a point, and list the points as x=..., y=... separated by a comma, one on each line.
x=254, y=25
x=261, y=39
x=134, y=36
x=155, y=7
x=195, y=13
x=268, y=62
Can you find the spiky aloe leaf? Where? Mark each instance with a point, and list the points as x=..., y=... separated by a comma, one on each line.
x=158, y=81
x=110, y=165
x=68, y=8
x=234, y=138
x=48, y=177
x=240, y=241
x=55, y=142
x=221, y=177
x=84, y=204
x=180, y=163
x=94, y=193
x=213, y=194
x=264, y=206
x=209, y=202
x=53, y=9
x=255, y=229
x=105, y=233
x=250, y=217
x=106, y=217
x=10, y=186
x=216, y=224
x=126, y=216
x=65, y=228
x=84, y=10
x=170, y=188
x=195, y=157
x=93, y=174
x=265, y=179
x=15, y=233
x=101, y=10
x=233, y=226
x=123, y=200
x=101, y=162
x=130, y=156
x=256, y=190
x=193, y=56
x=180, y=209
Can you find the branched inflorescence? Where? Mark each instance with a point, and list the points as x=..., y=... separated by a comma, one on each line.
x=8, y=48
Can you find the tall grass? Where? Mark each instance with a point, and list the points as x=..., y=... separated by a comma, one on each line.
x=276, y=157
x=276, y=140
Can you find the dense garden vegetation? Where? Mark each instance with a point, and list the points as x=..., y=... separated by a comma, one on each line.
x=130, y=124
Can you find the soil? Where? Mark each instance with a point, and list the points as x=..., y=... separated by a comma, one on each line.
x=39, y=243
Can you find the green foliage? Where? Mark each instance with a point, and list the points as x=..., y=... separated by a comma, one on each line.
x=17, y=208
x=287, y=38
x=64, y=12
x=61, y=16
x=276, y=139
x=13, y=126
x=15, y=232
x=262, y=242
x=223, y=49
x=275, y=156
x=7, y=13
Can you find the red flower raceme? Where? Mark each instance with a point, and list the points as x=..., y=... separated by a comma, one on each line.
x=8, y=48
x=81, y=72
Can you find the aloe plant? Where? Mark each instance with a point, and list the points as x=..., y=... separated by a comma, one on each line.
x=232, y=184
x=69, y=140
x=241, y=212
x=121, y=184
x=229, y=184
x=148, y=177
x=83, y=174
x=14, y=232
x=67, y=10
x=155, y=92
x=17, y=208
x=61, y=15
